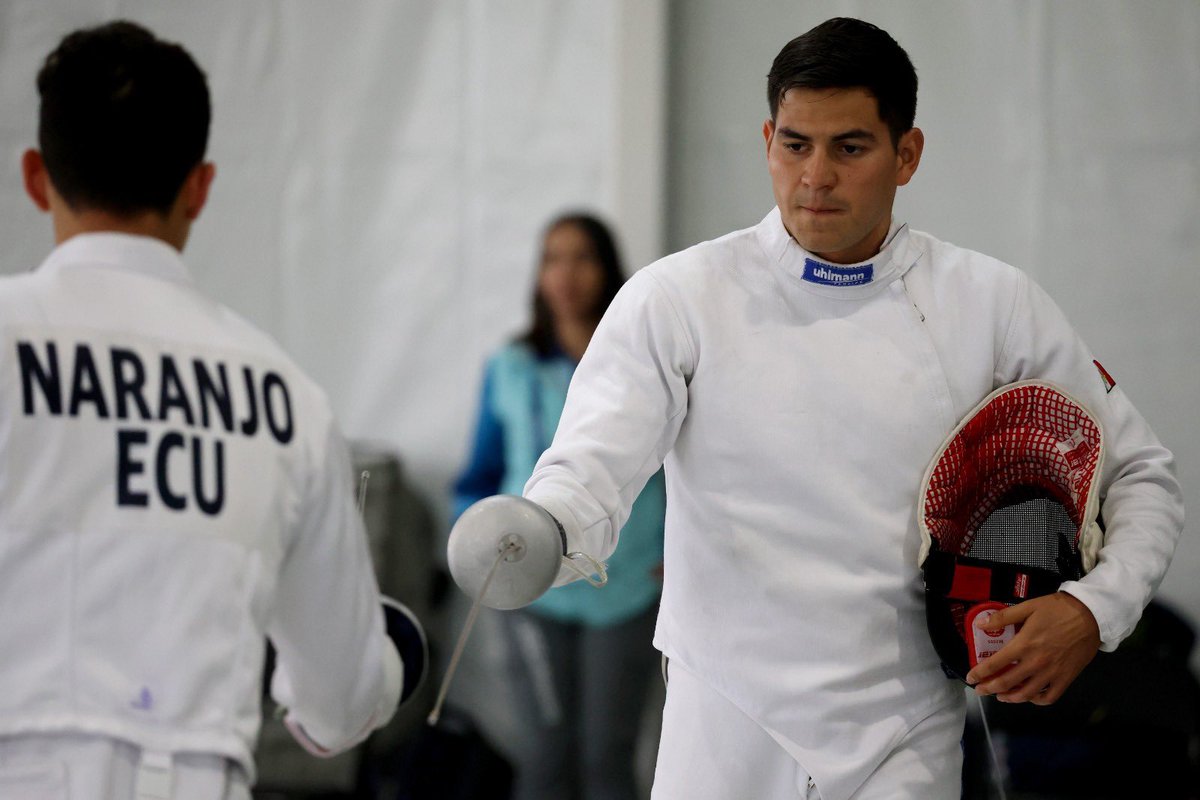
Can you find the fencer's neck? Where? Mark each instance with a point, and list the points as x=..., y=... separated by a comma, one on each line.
x=167, y=228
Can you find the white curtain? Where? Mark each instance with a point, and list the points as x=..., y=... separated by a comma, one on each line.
x=384, y=170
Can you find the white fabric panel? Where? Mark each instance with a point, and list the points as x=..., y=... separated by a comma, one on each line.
x=384, y=170
x=1060, y=136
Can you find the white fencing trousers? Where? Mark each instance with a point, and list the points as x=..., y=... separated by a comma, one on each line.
x=710, y=750
x=696, y=761
x=77, y=767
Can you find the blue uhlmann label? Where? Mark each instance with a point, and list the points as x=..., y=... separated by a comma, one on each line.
x=833, y=275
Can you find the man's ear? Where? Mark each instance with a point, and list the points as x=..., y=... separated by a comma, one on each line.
x=768, y=132
x=908, y=155
x=195, y=188
x=36, y=178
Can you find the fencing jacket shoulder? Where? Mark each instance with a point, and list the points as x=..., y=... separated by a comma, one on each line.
x=796, y=405
x=172, y=488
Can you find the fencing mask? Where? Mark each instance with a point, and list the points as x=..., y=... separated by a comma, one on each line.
x=1007, y=512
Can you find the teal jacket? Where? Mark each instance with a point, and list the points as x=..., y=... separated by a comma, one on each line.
x=522, y=398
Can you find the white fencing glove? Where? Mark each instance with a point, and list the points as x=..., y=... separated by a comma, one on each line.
x=408, y=636
x=515, y=541
x=505, y=552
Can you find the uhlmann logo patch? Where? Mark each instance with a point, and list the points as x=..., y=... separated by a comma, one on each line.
x=830, y=275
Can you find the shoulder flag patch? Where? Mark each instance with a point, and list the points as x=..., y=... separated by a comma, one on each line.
x=1109, y=383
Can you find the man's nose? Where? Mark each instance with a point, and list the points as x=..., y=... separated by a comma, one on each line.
x=819, y=171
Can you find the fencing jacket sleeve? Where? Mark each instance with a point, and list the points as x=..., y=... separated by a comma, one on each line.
x=1142, y=505
x=635, y=374
x=331, y=705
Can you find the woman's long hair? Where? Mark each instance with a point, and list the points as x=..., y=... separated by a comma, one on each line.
x=540, y=335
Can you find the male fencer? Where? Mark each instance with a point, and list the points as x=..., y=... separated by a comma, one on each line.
x=796, y=377
x=172, y=487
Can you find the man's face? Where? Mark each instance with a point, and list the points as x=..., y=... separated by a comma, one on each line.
x=835, y=171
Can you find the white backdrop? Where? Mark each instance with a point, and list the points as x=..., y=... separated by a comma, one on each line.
x=1063, y=137
x=384, y=169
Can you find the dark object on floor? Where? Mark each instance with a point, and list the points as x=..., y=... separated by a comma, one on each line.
x=452, y=761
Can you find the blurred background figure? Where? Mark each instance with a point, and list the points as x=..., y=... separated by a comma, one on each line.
x=579, y=660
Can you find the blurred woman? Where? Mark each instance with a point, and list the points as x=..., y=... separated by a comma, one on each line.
x=580, y=659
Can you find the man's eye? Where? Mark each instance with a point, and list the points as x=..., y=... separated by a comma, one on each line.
x=852, y=149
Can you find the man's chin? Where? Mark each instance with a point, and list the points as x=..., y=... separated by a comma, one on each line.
x=811, y=238
x=816, y=243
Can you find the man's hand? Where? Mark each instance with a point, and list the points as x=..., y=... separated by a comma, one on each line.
x=1058, y=638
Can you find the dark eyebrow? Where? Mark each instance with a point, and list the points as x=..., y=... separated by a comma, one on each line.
x=856, y=133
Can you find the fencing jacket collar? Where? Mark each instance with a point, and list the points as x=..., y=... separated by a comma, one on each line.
x=846, y=281
x=119, y=251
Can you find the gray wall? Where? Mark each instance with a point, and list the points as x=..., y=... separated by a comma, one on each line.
x=1060, y=136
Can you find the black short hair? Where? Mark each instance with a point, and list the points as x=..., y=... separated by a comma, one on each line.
x=843, y=53
x=124, y=118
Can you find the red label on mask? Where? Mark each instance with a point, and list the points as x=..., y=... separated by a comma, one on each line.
x=985, y=642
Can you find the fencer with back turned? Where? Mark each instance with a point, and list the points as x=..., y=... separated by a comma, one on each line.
x=173, y=489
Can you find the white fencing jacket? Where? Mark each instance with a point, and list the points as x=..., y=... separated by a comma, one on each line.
x=172, y=488
x=796, y=405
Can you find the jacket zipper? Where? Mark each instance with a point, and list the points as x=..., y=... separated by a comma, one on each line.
x=904, y=286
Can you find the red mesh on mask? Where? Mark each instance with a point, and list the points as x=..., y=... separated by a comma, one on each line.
x=1032, y=435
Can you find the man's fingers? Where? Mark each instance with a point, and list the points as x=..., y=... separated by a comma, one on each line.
x=1010, y=678
x=1055, y=642
x=987, y=669
x=1033, y=679
x=1037, y=689
x=1001, y=661
x=1047, y=695
x=1012, y=615
x=1023, y=691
